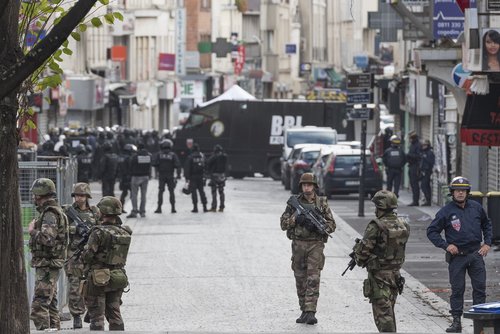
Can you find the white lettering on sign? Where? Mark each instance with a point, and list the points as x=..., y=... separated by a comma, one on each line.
x=280, y=123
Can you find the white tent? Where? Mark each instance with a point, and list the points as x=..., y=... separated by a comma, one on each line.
x=235, y=93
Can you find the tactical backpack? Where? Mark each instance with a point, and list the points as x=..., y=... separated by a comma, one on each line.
x=391, y=243
x=117, y=243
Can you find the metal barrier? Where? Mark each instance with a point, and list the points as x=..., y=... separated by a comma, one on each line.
x=61, y=170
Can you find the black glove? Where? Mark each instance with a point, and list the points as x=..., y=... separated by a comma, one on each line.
x=301, y=219
x=310, y=226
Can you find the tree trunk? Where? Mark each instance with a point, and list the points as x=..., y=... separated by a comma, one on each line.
x=14, y=306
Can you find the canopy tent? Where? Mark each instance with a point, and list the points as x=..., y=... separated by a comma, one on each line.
x=235, y=93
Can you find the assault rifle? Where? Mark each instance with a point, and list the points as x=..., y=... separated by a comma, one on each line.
x=352, y=263
x=312, y=214
x=82, y=228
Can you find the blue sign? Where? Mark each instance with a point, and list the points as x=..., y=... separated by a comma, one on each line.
x=361, y=61
x=33, y=37
x=359, y=98
x=448, y=19
x=290, y=48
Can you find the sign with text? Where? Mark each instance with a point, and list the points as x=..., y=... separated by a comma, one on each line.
x=359, y=98
x=360, y=81
x=180, y=41
x=448, y=18
x=360, y=114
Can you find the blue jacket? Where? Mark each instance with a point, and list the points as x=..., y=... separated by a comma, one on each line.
x=464, y=228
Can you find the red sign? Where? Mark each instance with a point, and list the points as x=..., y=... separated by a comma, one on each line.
x=240, y=60
x=463, y=4
x=118, y=53
x=167, y=62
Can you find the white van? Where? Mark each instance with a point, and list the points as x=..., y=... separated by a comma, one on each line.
x=307, y=135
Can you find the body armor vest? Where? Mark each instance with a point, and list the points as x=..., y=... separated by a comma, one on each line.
x=116, y=245
x=61, y=242
x=300, y=232
x=391, y=243
x=89, y=216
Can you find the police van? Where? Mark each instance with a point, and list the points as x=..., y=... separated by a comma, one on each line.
x=252, y=132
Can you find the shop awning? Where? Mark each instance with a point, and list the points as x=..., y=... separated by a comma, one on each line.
x=481, y=121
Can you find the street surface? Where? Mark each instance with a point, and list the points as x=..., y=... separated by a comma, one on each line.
x=230, y=272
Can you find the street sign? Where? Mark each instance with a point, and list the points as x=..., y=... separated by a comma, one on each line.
x=360, y=81
x=449, y=19
x=290, y=49
x=359, y=98
x=360, y=114
x=493, y=5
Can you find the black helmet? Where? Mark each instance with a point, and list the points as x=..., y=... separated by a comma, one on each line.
x=107, y=146
x=130, y=148
x=217, y=148
x=395, y=140
x=81, y=149
x=459, y=183
x=166, y=143
x=196, y=147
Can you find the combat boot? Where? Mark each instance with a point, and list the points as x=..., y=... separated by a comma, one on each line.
x=300, y=320
x=86, y=318
x=77, y=322
x=195, y=209
x=173, y=209
x=158, y=210
x=205, y=208
x=456, y=326
x=310, y=319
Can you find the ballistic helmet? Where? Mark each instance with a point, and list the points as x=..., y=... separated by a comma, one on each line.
x=385, y=200
x=130, y=148
x=308, y=178
x=43, y=187
x=459, y=183
x=217, y=148
x=81, y=188
x=395, y=140
x=166, y=143
x=109, y=205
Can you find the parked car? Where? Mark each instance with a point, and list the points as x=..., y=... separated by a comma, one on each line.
x=286, y=164
x=303, y=164
x=320, y=164
x=341, y=175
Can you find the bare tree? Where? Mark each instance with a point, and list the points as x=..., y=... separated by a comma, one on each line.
x=15, y=68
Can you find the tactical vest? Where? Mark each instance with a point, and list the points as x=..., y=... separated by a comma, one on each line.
x=197, y=164
x=395, y=158
x=116, y=245
x=58, y=251
x=300, y=232
x=166, y=162
x=391, y=243
x=87, y=216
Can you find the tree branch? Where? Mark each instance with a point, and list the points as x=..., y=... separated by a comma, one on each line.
x=16, y=74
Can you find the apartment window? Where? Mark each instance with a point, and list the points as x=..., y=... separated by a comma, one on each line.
x=206, y=4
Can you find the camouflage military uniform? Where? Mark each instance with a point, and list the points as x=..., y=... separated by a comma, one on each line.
x=74, y=265
x=105, y=256
x=307, y=251
x=382, y=252
x=48, y=243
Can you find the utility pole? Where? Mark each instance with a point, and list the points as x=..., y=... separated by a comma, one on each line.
x=362, y=171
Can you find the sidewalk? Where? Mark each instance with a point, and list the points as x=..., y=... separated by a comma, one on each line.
x=230, y=273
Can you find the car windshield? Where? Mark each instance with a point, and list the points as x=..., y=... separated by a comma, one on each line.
x=313, y=137
x=348, y=161
x=310, y=156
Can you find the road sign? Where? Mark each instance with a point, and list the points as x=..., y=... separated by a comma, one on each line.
x=448, y=18
x=360, y=81
x=360, y=114
x=359, y=98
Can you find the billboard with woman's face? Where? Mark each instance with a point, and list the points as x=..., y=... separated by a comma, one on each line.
x=490, y=50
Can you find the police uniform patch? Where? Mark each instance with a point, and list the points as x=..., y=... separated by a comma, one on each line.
x=456, y=223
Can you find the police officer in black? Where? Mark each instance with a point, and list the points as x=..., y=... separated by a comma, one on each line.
x=216, y=166
x=426, y=166
x=108, y=169
x=124, y=171
x=140, y=169
x=394, y=159
x=413, y=157
x=194, y=173
x=166, y=162
x=468, y=234
x=84, y=160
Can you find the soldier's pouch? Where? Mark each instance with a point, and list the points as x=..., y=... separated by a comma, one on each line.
x=118, y=279
x=367, y=288
x=101, y=277
x=83, y=288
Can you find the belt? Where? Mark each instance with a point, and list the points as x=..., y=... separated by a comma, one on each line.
x=467, y=251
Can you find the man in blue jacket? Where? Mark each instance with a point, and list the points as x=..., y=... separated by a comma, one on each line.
x=468, y=235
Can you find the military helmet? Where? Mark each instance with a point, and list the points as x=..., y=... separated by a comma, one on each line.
x=130, y=148
x=166, y=143
x=385, y=199
x=109, y=205
x=308, y=178
x=459, y=183
x=43, y=187
x=81, y=188
x=217, y=148
x=395, y=140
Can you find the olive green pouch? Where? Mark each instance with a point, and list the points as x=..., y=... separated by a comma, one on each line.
x=367, y=288
x=118, y=279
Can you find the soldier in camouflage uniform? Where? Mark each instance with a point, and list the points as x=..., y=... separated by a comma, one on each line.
x=89, y=216
x=48, y=244
x=382, y=252
x=105, y=256
x=308, y=244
